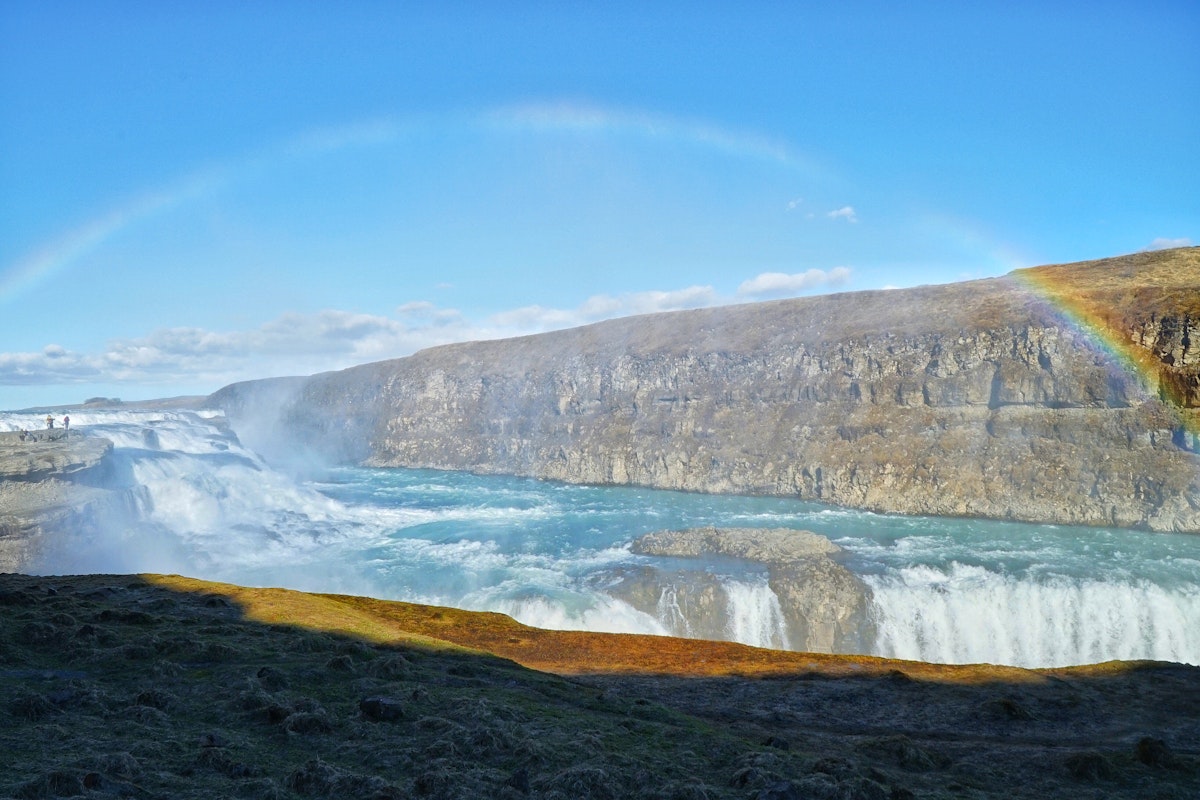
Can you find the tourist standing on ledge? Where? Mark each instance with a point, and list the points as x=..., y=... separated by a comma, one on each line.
x=49, y=422
x=66, y=425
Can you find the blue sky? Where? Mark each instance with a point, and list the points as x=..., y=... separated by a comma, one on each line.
x=197, y=193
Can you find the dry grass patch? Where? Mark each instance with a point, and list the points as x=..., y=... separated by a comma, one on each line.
x=162, y=686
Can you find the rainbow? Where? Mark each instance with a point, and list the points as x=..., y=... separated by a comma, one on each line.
x=74, y=245
x=68, y=248
x=989, y=251
x=584, y=118
x=1067, y=292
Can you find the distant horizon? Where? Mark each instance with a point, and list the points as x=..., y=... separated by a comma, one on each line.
x=198, y=195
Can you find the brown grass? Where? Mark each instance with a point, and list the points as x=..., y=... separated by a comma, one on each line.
x=164, y=686
x=561, y=652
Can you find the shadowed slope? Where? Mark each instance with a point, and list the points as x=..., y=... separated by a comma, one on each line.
x=121, y=686
x=561, y=652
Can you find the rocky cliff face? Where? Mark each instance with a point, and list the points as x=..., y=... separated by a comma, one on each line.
x=54, y=489
x=1064, y=394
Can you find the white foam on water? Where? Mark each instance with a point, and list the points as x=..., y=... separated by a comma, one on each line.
x=597, y=613
x=755, y=616
x=969, y=614
x=943, y=590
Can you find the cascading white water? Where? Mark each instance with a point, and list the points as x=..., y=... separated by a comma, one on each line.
x=206, y=502
x=971, y=614
x=755, y=616
x=944, y=590
x=579, y=612
x=670, y=614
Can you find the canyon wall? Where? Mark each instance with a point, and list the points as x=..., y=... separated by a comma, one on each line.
x=1066, y=394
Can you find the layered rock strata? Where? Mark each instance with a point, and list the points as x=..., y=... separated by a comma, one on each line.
x=995, y=398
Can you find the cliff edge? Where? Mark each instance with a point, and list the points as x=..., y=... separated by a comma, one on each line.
x=1065, y=393
x=52, y=486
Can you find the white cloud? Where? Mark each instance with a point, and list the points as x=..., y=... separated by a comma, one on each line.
x=653, y=302
x=423, y=312
x=535, y=318
x=303, y=344
x=1163, y=243
x=604, y=306
x=49, y=366
x=780, y=284
x=845, y=212
x=289, y=344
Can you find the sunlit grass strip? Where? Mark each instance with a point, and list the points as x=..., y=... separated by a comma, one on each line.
x=578, y=652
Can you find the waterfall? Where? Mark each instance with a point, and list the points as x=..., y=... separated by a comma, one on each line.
x=201, y=503
x=670, y=615
x=755, y=616
x=973, y=615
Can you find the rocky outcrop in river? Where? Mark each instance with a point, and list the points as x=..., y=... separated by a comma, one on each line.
x=822, y=606
x=1065, y=393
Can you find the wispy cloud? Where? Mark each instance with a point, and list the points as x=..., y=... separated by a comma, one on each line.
x=599, y=307
x=302, y=344
x=289, y=344
x=1162, y=243
x=42, y=261
x=780, y=284
x=586, y=117
x=845, y=212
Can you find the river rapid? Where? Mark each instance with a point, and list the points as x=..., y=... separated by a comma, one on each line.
x=943, y=590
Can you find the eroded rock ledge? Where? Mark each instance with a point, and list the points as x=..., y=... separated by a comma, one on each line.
x=823, y=604
x=53, y=486
x=52, y=454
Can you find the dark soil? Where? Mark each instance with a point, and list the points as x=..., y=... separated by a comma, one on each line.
x=145, y=686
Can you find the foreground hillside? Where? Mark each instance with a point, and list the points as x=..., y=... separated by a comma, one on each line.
x=1066, y=393
x=161, y=686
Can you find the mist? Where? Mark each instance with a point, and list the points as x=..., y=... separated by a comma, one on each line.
x=196, y=499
